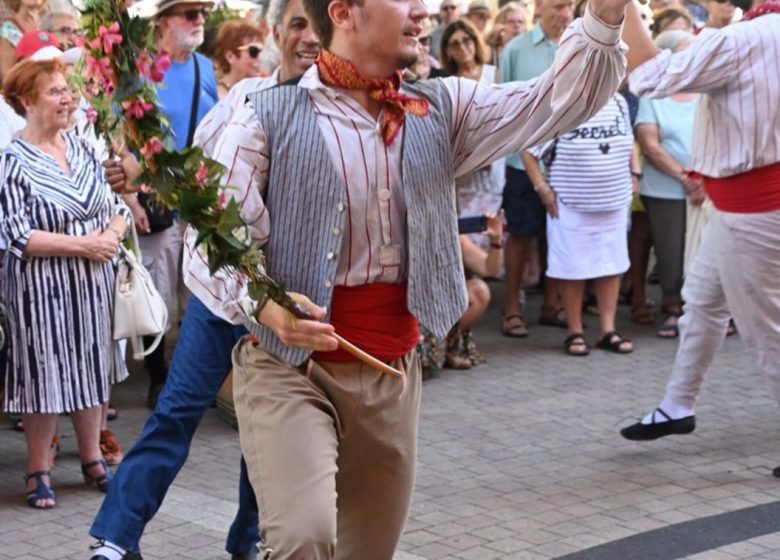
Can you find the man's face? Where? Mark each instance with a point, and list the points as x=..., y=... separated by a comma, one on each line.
x=297, y=42
x=67, y=29
x=449, y=11
x=720, y=11
x=515, y=23
x=387, y=30
x=555, y=15
x=183, y=24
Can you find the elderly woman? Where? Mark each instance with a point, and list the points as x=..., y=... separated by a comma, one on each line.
x=62, y=21
x=237, y=54
x=463, y=54
x=511, y=21
x=587, y=195
x=25, y=18
x=63, y=228
x=664, y=129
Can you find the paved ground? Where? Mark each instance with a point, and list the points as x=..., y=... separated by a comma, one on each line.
x=519, y=459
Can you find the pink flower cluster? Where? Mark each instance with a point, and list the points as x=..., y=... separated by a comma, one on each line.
x=108, y=37
x=100, y=70
x=153, y=146
x=136, y=108
x=153, y=69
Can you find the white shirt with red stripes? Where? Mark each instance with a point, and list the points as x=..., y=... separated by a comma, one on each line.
x=488, y=122
x=737, y=126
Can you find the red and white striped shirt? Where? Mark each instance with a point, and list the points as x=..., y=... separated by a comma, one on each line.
x=488, y=122
x=737, y=126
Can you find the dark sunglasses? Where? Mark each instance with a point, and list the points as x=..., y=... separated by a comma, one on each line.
x=465, y=43
x=252, y=50
x=192, y=14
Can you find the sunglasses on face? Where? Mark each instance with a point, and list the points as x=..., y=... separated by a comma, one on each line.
x=465, y=43
x=69, y=31
x=252, y=50
x=192, y=14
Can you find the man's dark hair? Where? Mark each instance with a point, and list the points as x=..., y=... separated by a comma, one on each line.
x=317, y=10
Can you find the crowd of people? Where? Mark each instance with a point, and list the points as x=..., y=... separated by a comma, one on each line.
x=570, y=195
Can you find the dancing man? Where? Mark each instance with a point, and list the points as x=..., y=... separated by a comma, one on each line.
x=350, y=175
x=736, y=154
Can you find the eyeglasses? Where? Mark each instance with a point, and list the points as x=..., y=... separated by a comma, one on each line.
x=252, y=50
x=192, y=14
x=69, y=31
x=425, y=41
x=466, y=42
x=59, y=92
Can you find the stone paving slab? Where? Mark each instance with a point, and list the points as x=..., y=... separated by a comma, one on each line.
x=519, y=459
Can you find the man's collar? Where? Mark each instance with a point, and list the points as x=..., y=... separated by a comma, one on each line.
x=537, y=34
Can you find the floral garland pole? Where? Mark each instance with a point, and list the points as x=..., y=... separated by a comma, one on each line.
x=120, y=68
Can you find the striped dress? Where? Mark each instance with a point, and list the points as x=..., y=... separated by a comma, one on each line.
x=62, y=356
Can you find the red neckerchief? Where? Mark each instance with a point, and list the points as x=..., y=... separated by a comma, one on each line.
x=341, y=73
x=768, y=7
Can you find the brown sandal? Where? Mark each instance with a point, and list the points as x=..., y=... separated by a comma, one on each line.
x=514, y=326
x=574, y=340
x=642, y=314
x=551, y=317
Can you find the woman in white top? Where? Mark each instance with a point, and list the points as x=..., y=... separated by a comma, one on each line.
x=464, y=54
x=587, y=195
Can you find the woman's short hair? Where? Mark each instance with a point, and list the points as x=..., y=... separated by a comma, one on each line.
x=508, y=8
x=24, y=80
x=664, y=17
x=480, y=50
x=232, y=35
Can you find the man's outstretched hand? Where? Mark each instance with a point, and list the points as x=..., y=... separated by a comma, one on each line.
x=120, y=173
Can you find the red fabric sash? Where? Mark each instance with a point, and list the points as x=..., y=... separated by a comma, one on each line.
x=373, y=317
x=752, y=192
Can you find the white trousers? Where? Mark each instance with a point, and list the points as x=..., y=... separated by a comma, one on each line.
x=736, y=273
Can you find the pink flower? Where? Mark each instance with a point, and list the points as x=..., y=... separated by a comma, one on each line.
x=153, y=146
x=136, y=108
x=161, y=64
x=202, y=173
x=99, y=69
x=143, y=63
x=108, y=37
x=222, y=200
x=92, y=115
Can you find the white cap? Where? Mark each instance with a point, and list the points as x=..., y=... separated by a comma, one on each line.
x=47, y=53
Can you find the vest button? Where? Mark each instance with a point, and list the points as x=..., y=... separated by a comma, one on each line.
x=384, y=195
x=336, y=231
x=328, y=283
x=340, y=206
x=330, y=255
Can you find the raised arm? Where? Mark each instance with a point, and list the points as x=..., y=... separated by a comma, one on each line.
x=490, y=122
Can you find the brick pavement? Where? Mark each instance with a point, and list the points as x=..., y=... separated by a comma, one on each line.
x=519, y=459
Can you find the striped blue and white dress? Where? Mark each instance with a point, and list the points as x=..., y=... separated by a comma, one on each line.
x=61, y=356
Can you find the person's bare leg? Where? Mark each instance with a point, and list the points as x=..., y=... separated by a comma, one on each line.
x=607, y=289
x=39, y=429
x=571, y=292
x=86, y=423
x=479, y=299
x=515, y=256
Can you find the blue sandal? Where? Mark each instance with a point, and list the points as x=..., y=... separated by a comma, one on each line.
x=42, y=491
x=101, y=481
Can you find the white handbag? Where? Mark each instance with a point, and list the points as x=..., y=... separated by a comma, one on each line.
x=139, y=309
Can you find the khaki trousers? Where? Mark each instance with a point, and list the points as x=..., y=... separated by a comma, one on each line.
x=330, y=450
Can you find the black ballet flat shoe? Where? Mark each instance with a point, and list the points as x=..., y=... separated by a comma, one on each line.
x=655, y=430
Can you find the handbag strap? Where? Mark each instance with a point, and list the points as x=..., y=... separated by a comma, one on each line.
x=195, y=101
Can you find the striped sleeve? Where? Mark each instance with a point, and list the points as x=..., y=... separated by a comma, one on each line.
x=708, y=64
x=14, y=205
x=490, y=122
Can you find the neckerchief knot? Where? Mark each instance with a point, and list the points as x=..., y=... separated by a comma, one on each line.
x=341, y=73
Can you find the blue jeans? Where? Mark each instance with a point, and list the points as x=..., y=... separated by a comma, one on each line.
x=200, y=364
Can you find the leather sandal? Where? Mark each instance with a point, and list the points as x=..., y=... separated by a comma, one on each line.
x=550, y=317
x=670, y=328
x=514, y=326
x=42, y=491
x=101, y=481
x=574, y=340
x=613, y=342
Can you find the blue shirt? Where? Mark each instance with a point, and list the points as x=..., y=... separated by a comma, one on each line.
x=175, y=93
x=525, y=57
x=675, y=133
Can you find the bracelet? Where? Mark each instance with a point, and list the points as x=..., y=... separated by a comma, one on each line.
x=119, y=236
x=637, y=174
x=499, y=245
